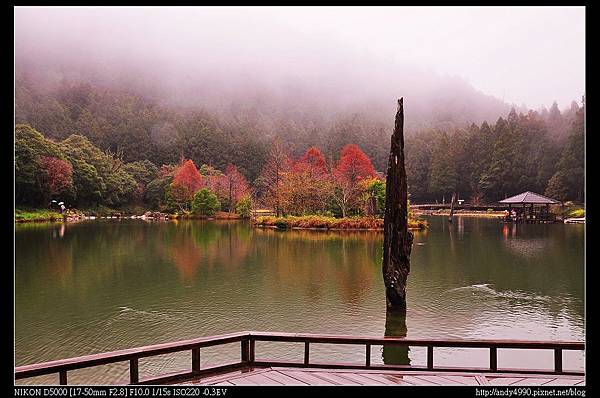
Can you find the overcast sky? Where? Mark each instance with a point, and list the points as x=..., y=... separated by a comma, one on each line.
x=530, y=55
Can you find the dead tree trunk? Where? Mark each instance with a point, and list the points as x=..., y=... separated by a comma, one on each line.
x=452, y=206
x=397, y=240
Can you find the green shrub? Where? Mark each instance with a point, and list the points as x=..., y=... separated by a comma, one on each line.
x=244, y=207
x=205, y=203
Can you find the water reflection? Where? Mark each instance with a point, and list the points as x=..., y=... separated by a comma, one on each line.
x=108, y=285
x=59, y=231
x=191, y=244
x=345, y=262
x=395, y=326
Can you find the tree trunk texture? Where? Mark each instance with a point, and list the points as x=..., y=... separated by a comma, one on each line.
x=452, y=207
x=397, y=240
x=373, y=209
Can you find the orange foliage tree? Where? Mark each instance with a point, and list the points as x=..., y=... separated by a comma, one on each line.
x=237, y=186
x=277, y=165
x=306, y=188
x=186, y=182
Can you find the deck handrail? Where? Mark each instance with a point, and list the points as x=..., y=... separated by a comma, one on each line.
x=248, y=348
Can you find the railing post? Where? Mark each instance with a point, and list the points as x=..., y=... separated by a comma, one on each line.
x=493, y=358
x=252, y=350
x=62, y=377
x=196, y=360
x=134, y=375
x=429, y=357
x=368, y=355
x=558, y=360
x=306, y=352
x=245, y=345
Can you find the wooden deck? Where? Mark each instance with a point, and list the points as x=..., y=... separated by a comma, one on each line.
x=288, y=376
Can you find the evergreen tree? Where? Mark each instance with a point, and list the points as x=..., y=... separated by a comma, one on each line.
x=568, y=181
x=205, y=203
x=496, y=183
x=443, y=177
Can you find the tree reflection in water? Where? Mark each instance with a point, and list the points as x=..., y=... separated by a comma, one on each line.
x=395, y=326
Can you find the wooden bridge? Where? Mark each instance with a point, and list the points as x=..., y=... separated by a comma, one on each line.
x=249, y=369
x=464, y=206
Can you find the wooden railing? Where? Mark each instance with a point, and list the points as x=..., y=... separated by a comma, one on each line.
x=248, y=355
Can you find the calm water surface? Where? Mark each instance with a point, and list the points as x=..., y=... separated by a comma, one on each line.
x=105, y=285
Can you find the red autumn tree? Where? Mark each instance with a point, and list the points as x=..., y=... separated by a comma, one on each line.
x=313, y=161
x=353, y=167
x=229, y=187
x=57, y=175
x=186, y=182
x=236, y=186
x=188, y=176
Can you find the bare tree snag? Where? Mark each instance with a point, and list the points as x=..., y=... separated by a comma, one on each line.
x=452, y=207
x=397, y=240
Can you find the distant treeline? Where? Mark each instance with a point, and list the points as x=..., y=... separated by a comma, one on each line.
x=523, y=152
x=538, y=151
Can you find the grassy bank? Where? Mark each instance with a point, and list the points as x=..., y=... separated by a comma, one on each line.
x=46, y=215
x=322, y=222
x=33, y=215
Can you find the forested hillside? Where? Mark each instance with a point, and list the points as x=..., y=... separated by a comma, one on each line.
x=216, y=127
x=450, y=149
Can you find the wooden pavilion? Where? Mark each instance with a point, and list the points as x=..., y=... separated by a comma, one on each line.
x=529, y=207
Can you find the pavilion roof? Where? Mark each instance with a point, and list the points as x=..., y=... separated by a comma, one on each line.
x=529, y=197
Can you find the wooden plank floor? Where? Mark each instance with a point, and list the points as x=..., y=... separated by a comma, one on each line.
x=277, y=376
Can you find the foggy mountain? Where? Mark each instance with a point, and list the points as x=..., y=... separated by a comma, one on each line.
x=264, y=77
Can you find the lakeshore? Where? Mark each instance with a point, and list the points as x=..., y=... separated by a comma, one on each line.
x=311, y=222
x=74, y=215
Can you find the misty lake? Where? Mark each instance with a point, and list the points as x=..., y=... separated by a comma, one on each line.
x=105, y=285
